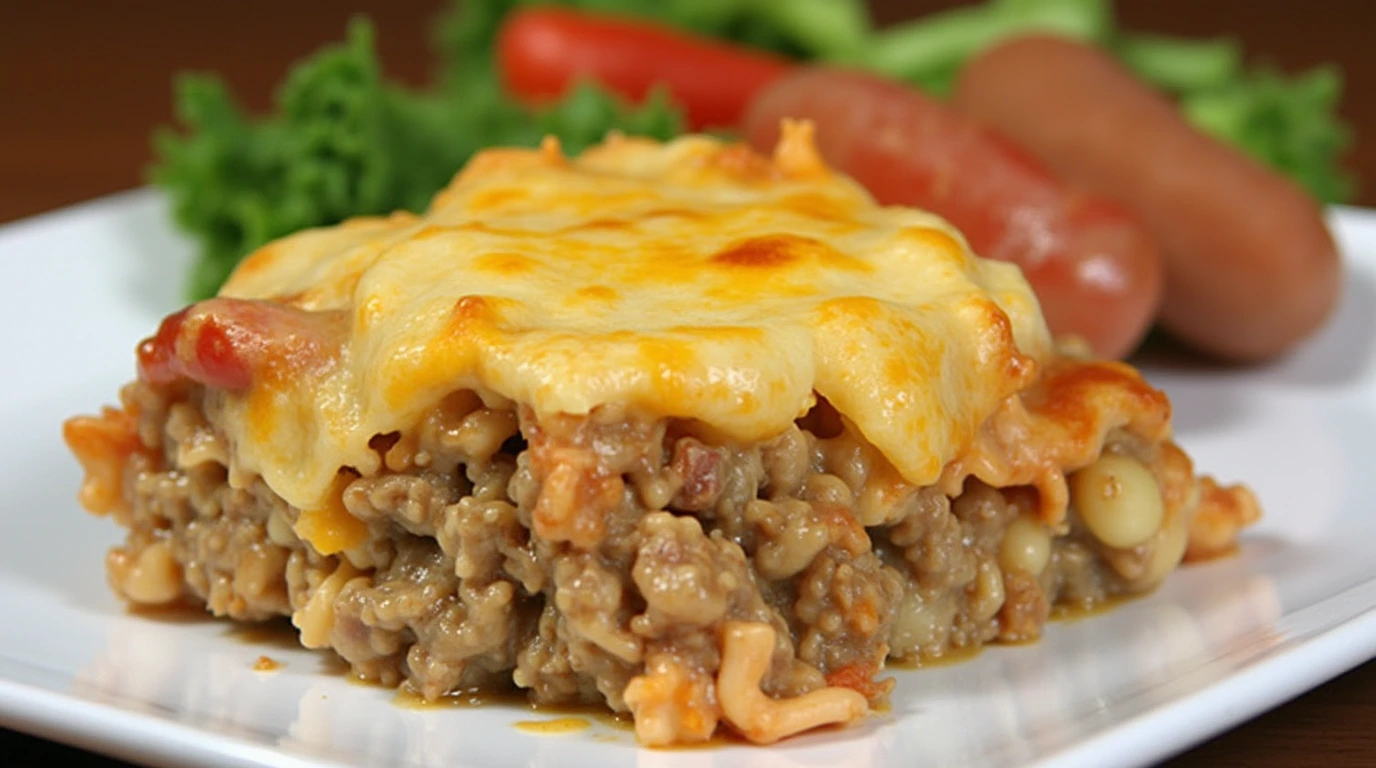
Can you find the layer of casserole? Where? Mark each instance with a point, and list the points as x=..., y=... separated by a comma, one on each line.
x=703, y=435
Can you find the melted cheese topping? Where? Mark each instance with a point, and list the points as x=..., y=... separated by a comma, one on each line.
x=690, y=279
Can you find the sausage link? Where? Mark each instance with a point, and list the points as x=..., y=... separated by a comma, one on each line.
x=1251, y=268
x=1093, y=269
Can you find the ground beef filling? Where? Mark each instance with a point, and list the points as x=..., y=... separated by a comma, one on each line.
x=609, y=559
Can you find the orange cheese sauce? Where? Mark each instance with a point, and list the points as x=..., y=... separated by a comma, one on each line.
x=329, y=527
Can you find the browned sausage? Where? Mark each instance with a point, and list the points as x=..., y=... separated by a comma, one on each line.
x=1251, y=268
x=1094, y=269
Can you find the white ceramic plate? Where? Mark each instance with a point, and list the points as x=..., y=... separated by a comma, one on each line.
x=1216, y=645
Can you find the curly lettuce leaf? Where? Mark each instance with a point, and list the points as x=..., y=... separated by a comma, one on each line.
x=344, y=142
x=1289, y=122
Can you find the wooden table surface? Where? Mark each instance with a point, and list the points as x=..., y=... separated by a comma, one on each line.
x=82, y=84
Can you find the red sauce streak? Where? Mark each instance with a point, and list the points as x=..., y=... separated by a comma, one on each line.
x=157, y=354
x=228, y=343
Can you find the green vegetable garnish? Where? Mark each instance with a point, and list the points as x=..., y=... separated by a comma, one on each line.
x=929, y=52
x=1289, y=122
x=1182, y=66
x=344, y=142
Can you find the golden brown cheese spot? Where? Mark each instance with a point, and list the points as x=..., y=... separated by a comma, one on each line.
x=676, y=213
x=471, y=325
x=260, y=261
x=767, y=252
x=778, y=252
x=508, y=264
x=592, y=225
x=1074, y=394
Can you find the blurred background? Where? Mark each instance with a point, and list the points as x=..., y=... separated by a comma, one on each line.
x=84, y=84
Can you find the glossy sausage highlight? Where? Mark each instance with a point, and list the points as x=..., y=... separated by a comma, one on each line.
x=1251, y=268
